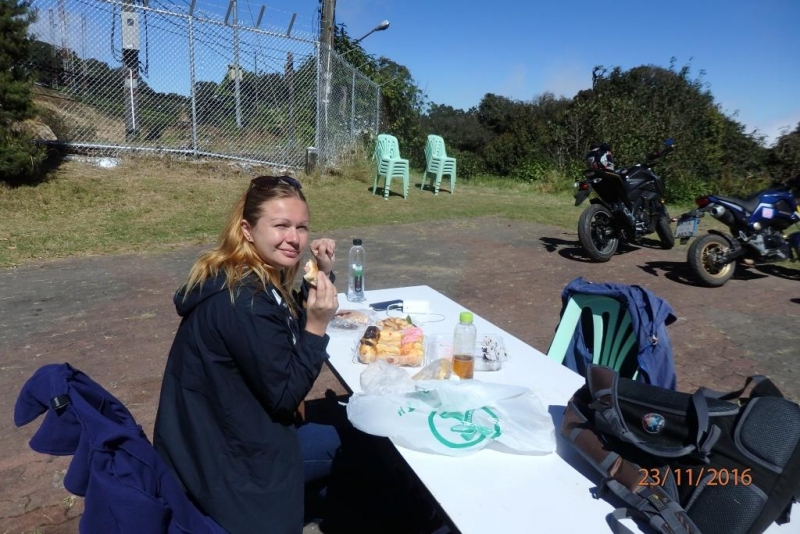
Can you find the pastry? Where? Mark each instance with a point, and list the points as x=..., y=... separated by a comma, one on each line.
x=400, y=346
x=352, y=317
x=411, y=341
x=385, y=348
x=311, y=270
x=393, y=323
x=391, y=337
x=367, y=353
x=372, y=332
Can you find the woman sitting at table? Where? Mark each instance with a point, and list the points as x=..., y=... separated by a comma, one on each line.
x=245, y=355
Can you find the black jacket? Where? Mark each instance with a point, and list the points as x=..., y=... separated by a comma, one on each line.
x=235, y=376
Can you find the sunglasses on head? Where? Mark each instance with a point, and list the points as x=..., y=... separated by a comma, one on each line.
x=267, y=182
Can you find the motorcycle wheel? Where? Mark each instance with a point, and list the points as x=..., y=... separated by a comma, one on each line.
x=596, y=233
x=702, y=253
x=665, y=234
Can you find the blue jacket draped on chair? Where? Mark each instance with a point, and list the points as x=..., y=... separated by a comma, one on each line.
x=128, y=489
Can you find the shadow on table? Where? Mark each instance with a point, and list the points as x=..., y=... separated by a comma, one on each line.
x=566, y=450
x=570, y=455
x=371, y=487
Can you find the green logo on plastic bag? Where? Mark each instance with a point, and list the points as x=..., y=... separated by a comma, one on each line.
x=465, y=433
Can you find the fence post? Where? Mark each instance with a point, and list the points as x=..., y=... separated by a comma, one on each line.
x=318, y=136
x=311, y=159
x=191, y=78
x=130, y=60
x=378, y=112
x=353, y=105
x=236, y=68
x=288, y=75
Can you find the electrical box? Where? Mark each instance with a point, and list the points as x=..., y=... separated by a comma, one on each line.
x=233, y=72
x=130, y=30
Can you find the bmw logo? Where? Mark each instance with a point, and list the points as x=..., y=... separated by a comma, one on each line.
x=653, y=423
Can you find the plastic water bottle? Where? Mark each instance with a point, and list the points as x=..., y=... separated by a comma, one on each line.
x=464, y=338
x=355, y=272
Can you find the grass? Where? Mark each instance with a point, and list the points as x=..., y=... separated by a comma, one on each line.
x=151, y=204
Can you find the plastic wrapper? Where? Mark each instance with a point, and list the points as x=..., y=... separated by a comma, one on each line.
x=352, y=319
x=381, y=378
x=440, y=369
x=490, y=353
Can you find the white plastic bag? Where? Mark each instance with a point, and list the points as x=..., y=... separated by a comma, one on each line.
x=381, y=378
x=457, y=418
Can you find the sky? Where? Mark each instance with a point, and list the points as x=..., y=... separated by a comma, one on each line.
x=457, y=51
x=746, y=51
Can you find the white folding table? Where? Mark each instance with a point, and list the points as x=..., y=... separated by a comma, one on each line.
x=493, y=491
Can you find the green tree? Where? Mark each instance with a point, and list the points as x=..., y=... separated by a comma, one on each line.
x=785, y=155
x=402, y=101
x=19, y=157
x=460, y=129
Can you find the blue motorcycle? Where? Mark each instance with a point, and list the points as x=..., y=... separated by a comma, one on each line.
x=757, y=226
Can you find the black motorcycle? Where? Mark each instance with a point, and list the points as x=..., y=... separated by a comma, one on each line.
x=629, y=205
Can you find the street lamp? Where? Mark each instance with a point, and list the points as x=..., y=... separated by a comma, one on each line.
x=379, y=28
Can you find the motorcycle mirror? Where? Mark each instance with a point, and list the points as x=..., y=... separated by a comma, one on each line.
x=669, y=142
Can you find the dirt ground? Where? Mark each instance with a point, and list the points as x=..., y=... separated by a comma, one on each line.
x=112, y=317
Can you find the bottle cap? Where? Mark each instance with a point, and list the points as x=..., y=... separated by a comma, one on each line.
x=357, y=242
x=465, y=317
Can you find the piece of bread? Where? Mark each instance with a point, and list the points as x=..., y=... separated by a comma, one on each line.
x=367, y=353
x=312, y=271
x=372, y=332
x=411, y=348
x=393, y=324
x=391, y=337
x=384, y=349
x=412, y=359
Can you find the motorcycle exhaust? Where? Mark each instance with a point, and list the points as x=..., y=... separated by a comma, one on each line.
x=717, y=211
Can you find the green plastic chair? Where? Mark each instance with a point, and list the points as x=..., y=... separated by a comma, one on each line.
x=613, y=341
x=389, y=164
x=438, y=164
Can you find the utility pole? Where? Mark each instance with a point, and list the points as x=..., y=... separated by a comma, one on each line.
x=66, y=56
x=234, y=70
x=130, y=61
x=326, y=42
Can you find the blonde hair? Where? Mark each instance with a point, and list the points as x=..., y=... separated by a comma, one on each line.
x=235, y=257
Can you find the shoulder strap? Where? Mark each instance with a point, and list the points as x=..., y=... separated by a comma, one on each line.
x=646, y=501
x=762, y=387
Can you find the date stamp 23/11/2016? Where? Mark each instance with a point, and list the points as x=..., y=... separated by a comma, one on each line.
x=709, y=476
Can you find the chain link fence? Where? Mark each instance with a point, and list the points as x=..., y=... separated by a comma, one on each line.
x=124, y=76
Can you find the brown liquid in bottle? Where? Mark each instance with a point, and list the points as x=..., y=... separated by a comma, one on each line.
x=463, y=365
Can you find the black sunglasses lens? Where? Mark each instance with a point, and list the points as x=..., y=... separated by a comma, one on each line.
x=291, y=181
x=272, y=181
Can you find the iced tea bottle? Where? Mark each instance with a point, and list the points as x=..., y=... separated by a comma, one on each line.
x=464, y=338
